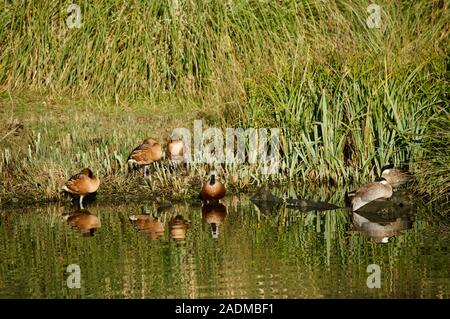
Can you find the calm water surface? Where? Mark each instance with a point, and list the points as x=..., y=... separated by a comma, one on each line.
x=232, y=250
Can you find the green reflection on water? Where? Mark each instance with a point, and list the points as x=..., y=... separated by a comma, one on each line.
x=229, y=251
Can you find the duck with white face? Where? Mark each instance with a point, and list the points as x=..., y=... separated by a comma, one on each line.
x=370, y=192
x=212, y=189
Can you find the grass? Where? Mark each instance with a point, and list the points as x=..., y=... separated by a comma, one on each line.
x=47, y=141
x=350, y=127
x=434, y=176
x=348, y=99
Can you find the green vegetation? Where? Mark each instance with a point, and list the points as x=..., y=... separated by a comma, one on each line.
x=434, y=175
x=348, y=98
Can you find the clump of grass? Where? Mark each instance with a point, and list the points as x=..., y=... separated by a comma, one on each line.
x=434, y=174
x=350, y=126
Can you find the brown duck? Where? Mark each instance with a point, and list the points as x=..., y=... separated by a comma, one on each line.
x=212, y=189
x=148, y=225
x=148, y=152
x=86, y=223
x=178, y=227
x=82, y=184
x=176, y=150
x=214, y=214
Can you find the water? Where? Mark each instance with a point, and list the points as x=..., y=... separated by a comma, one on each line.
x=249, y=253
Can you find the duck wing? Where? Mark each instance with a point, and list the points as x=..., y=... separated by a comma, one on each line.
x=139, y=152
x=369, y=192
x=76, y=182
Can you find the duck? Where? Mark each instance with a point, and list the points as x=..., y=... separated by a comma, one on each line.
x=176, y=149
x=212, y=189
x=84, y=221
x=266, y=201
x=82, y=184
x=369, y=193
x=178, y=227
x=214, y=214
x=148, y=152
x=379, y=229
x=149, y=225
x=396, y=177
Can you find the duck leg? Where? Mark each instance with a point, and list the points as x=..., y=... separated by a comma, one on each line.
x=145, y=171
x=81, y=201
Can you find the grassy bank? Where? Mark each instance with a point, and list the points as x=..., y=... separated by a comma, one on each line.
x=349, y=99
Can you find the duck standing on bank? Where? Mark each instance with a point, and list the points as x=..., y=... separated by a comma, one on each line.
x=145, y=154
x=82, y=184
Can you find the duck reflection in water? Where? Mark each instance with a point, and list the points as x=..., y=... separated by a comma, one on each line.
x=84, y=221
x=214, y=214
x=178, y=227
x=150, y=226
x=266, y=201
x=382, y=220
